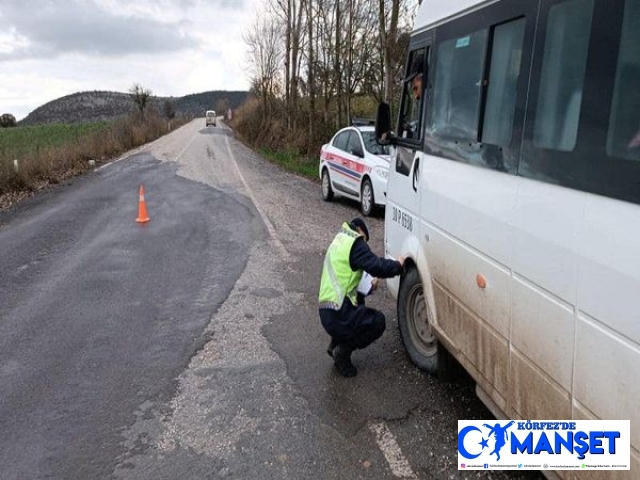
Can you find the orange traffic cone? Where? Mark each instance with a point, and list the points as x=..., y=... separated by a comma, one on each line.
x=142, y=208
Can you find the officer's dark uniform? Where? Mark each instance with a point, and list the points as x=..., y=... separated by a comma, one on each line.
x=357, y=326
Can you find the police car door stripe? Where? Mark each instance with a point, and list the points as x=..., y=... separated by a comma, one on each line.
x=344, y=171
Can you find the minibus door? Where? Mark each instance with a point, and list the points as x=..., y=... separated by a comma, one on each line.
x=403, y=203
x=403, y=190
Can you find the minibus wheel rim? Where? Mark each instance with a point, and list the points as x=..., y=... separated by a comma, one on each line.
x=419, y=324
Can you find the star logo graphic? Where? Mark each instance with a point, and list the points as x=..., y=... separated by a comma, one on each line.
x=484, y=443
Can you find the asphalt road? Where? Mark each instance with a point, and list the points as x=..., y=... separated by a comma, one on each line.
x=190, y=347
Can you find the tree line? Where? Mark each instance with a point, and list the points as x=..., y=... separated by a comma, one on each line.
x=315, y=65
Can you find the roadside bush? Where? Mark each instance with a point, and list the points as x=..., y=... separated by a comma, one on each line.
x=7, y=120
x=263, y=125
x=44, y=159
x=247, y=120
x=264, y=128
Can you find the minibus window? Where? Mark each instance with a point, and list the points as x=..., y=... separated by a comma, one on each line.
x=623, y=140
x=413, y=96
x=458, y=86
x=506, y=56
x=562, y=77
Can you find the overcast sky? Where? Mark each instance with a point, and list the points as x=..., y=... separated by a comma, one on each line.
x=52, y=48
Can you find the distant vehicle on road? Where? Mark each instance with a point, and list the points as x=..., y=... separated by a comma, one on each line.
x=355, y=166
x=211, y=118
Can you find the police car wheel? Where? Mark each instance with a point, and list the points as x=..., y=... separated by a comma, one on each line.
x=366, y=198
x=327, y=191
x=414, y=321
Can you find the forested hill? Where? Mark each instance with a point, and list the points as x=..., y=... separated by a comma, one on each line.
x=197, y=103
x=99, y=105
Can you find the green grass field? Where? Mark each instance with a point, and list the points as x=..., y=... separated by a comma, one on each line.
x=291, y=161
x=48, y=154
x=22, y=141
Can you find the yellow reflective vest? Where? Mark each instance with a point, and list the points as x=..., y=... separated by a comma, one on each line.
x=338, y=280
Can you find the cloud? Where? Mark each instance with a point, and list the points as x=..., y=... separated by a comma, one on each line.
x=49, y=29
x=52, y=48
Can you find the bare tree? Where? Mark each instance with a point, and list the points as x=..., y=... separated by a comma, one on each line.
x=335, y=58
x=360, y=51
x=289, y=14
x=282, y=10
x=388, y=35
x=337, y=66
x=310, y=77
x=265, y=54
x=140, y=97
x=169, y=111
x=324, y=54
x=296, y=43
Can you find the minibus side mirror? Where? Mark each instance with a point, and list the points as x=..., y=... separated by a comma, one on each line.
x=384, y=135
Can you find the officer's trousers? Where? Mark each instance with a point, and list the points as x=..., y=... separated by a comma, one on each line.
x=355, y=326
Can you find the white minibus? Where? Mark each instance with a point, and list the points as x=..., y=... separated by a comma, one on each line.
x=514, y=191
x=210, y=118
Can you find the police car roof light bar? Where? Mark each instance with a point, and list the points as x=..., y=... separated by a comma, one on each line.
x=362, y=122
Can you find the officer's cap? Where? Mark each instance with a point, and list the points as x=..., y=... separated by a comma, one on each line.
x=358, y=222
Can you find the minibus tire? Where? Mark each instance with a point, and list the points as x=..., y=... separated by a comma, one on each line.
x=422, y=346
x=327, y=195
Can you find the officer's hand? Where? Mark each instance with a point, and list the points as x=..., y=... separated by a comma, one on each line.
x=401, y=259
x=374, y=284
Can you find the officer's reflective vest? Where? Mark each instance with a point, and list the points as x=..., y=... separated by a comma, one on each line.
x=338, y=280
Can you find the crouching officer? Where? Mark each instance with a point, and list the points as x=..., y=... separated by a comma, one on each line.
x=350, y=323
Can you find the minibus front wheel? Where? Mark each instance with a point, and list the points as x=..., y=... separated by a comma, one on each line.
x=414, y=320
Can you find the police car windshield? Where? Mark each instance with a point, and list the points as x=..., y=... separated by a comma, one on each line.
x=372, y=146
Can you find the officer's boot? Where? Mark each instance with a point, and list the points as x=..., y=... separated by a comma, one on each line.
x=342, y=358
x=332, y=345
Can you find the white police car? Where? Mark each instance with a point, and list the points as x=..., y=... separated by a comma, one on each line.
x=353, y=165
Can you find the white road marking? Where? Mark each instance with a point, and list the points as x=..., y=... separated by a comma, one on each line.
x=387, y=442
x=265, y=219
x=187, y=146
